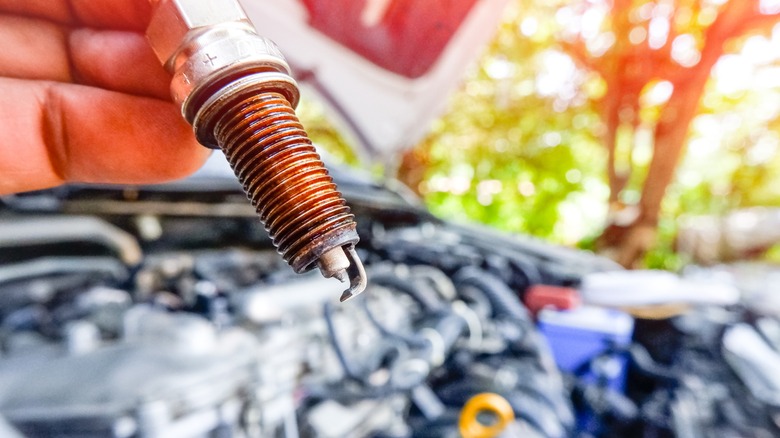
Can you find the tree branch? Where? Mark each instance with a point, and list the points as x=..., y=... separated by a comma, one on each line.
x=579, y=52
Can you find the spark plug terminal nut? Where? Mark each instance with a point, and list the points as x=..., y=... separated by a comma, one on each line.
x=235, y=89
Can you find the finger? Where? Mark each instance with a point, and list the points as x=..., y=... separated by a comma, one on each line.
x=115, y=14
x=118, y=60
x=56, y=133
x=54, y=10
x=33, y=48
x=107, y=14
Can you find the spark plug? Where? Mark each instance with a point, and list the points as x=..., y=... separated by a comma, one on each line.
x=234, y=87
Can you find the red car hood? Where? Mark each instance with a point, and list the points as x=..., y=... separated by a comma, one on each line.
x=384, y=67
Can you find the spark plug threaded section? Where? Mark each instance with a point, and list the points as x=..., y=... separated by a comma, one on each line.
x=284, y=178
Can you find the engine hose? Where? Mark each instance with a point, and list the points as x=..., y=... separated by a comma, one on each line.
x=411, y=340
x=604, y=400
x=359, y=372
x=505, y=302
x=548, y=399
x=47, y=230
x=46, y=266
x=428, y=301
x=384, y=351
x=527, y=268
x=738, y=419
x=537, y=415
x=543, y=352
x=546, y=386
x=645, y=364
x=450, y=328
x=440, y=281
x=27, y=318
x=354, y=394
x=350, y=369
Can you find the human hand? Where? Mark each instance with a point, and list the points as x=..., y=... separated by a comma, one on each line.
x=84, y=99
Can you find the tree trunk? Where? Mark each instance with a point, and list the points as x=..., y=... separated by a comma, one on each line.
x=672, y=129
x=628, y=244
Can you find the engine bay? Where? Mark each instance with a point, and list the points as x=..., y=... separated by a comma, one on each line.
x=164, y=311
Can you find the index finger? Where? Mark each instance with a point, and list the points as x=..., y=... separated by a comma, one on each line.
x=104, y=14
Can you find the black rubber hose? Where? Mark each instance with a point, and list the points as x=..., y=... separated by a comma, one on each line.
x=536, y=414
x=607, y=401
x=415, y=341
x=429, y=301
x=450, y=328
x=526, y=266
x=385, y=351
x=505, y=302
x=350, y=369
x=28, y=318
x=646, y=365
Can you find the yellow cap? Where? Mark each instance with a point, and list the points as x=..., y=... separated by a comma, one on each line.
x=486, y=402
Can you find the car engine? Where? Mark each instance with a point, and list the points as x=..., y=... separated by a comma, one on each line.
x=163, y=311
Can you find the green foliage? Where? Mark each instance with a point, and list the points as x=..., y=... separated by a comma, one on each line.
x=496, y=129
x=733, y=157
x=662, y=256
x=511, y=155
x=519, y=147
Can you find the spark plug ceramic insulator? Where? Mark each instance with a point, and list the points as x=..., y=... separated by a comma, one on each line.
x=235, y=89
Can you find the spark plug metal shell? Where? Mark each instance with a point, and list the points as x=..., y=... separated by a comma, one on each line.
x=235, y=89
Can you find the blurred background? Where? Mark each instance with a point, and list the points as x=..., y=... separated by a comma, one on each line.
x=648, y=131
x=644, y=130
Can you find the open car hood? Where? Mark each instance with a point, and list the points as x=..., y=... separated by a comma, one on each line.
x=383, y=67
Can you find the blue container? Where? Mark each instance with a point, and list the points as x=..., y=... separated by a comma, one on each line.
x=579, y=335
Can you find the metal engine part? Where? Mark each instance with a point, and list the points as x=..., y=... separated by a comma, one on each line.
x=165, y=312
x=221, y=340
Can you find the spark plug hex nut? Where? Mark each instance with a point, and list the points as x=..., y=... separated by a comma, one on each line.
x=173, y=20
